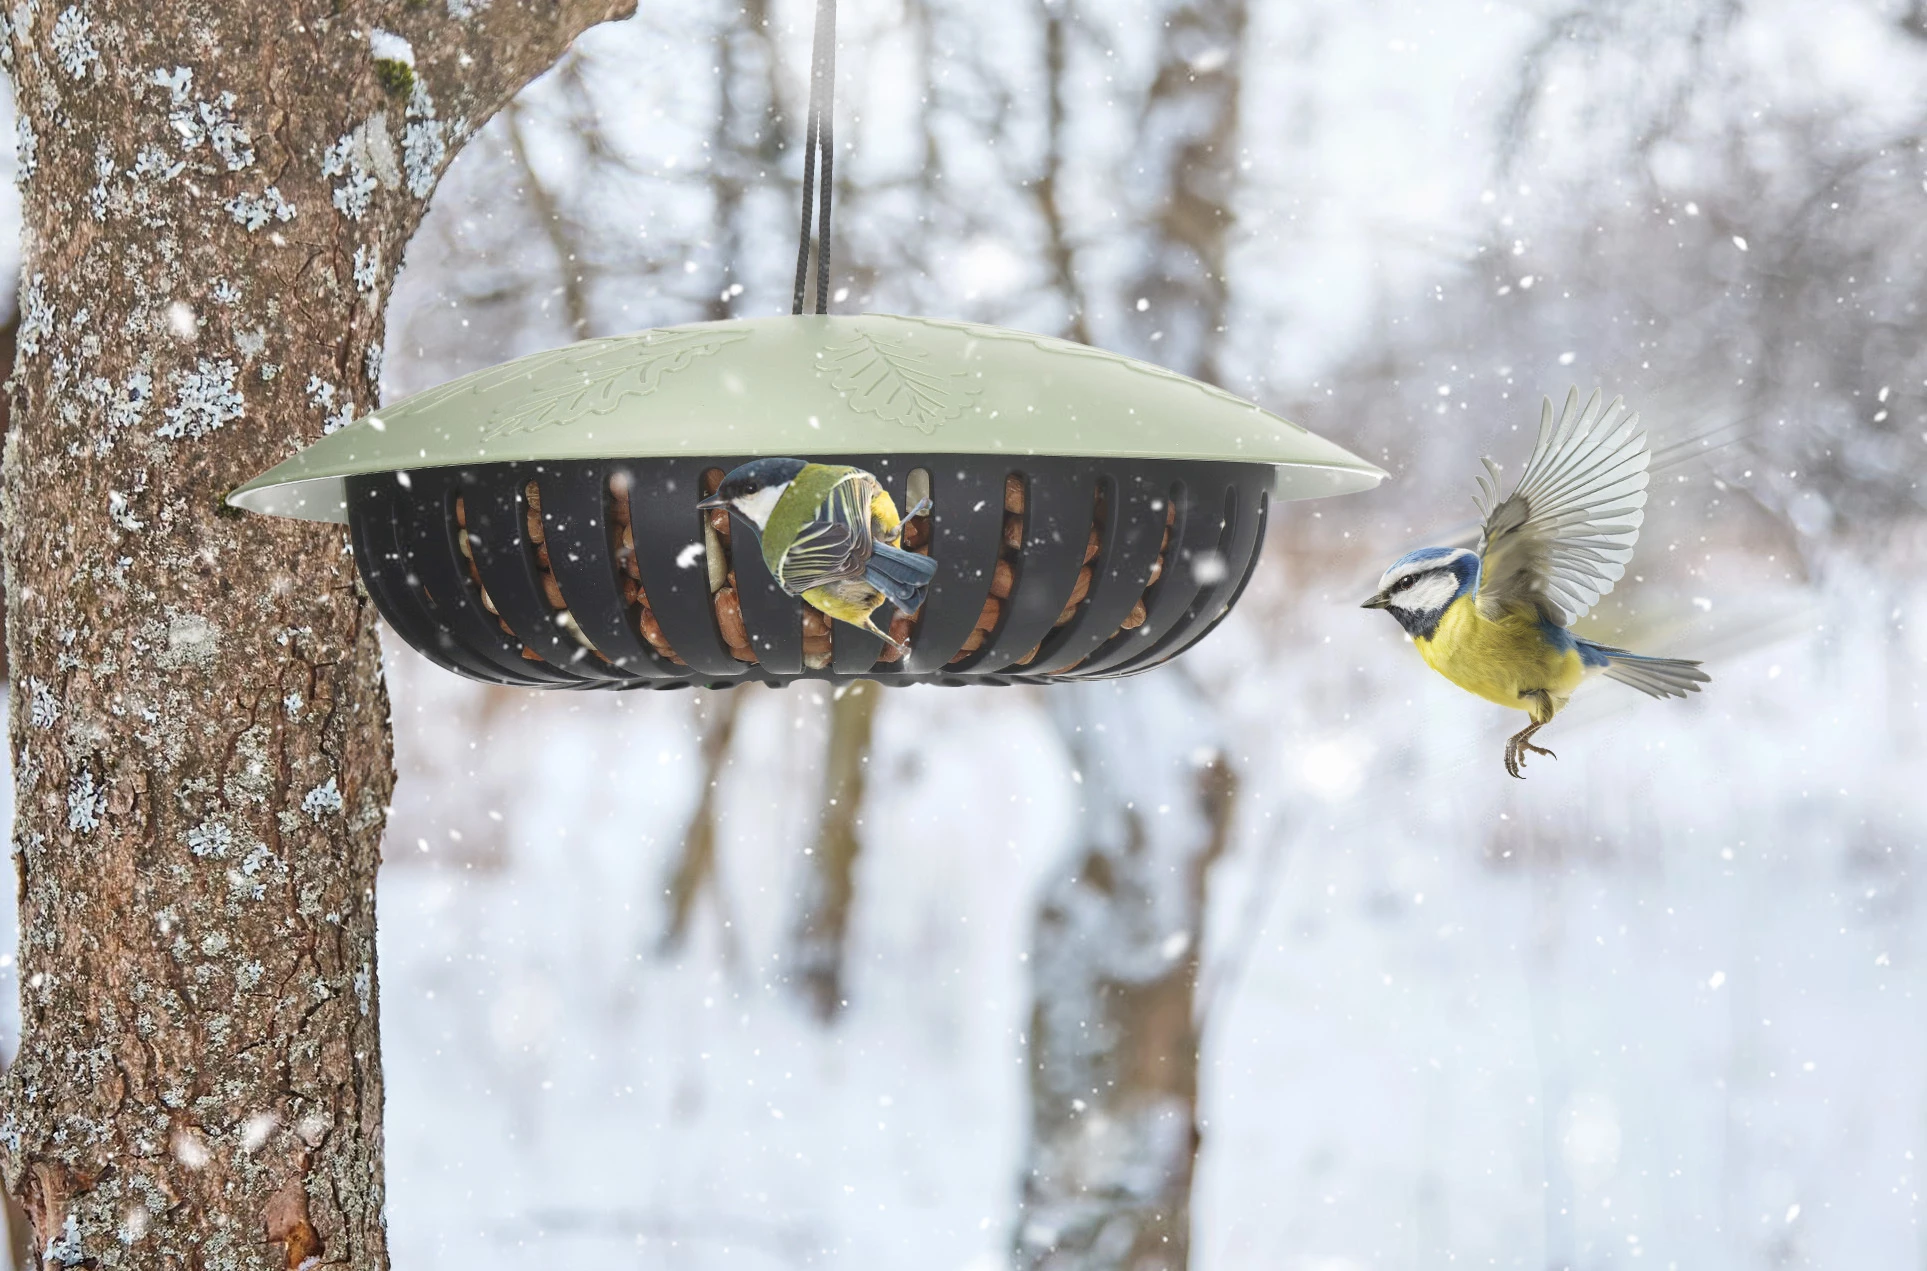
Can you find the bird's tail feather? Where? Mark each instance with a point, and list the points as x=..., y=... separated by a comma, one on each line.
x=902, y=576
x=1655, y=677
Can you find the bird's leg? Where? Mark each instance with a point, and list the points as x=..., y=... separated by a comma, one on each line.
x=1519, y=745
x=923, y=505
x=870, y=625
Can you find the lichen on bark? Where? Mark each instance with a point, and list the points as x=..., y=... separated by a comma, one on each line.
x=198, y=726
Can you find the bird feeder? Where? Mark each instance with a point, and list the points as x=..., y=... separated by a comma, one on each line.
x=536, y=524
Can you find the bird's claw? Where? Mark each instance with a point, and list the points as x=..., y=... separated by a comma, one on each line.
x=1516, y=749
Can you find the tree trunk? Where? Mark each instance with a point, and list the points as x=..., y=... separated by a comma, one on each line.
x=216, y=197
x=1115, y=1022
x=695, y=868
x=1113, y=1032
x=829, y=879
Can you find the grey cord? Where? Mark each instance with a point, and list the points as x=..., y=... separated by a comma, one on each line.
x=819, y=135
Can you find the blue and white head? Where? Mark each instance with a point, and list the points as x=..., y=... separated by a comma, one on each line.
x=1420, y=587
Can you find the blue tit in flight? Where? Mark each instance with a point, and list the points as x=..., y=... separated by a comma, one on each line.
x=829, y=534
x=1496, y=621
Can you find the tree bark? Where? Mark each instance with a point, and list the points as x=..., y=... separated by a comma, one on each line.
x=216, y=197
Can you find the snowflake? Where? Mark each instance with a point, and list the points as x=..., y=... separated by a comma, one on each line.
x=367, y=267
x=292, y=703
x=204, y=399
x=225, y=292
x=76, y=52
x=43, y=709
x=323, y=798
x=249, y=975
x=86, y=803
x=210, y=838
x=255, y=213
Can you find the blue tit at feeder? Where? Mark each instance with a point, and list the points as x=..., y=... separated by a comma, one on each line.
x=830, y=534
x=1496, y=621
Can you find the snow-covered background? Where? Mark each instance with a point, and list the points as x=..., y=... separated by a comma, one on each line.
x=1658, y=1006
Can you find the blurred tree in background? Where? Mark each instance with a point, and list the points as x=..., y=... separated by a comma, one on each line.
x=1152, y=177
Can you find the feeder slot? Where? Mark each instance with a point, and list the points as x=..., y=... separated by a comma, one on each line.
x=583, y=556
x=641, y=614
x=391, y=583
x=1132, y=534
x=1003, y=575
x=1196, y=524
x=1244, y=535
x=505, y=558
x=1060, y=507
x=766, y=620
x=723, y=599
x=435, y=558
x=915, y=538
x=772, y=617
x=966, y=532
x=671, y=560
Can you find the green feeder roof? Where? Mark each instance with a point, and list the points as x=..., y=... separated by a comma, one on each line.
x=839, y=384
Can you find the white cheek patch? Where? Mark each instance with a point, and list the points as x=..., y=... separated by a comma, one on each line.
x=1432, y=591
x=759, y=505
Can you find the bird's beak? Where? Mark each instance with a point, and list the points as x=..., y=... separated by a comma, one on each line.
x=1380, y=601
x=713, y=501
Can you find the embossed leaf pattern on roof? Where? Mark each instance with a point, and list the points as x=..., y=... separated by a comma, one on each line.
x=605, y=376
x=893, y=380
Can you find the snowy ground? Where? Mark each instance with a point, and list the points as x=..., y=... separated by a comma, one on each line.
x=1655, y=1007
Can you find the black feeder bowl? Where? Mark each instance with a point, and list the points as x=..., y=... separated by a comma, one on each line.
x=535, y=524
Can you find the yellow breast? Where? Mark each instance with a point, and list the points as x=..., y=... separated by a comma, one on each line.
x=1507, y=660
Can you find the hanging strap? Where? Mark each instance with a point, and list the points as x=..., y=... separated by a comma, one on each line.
x=818, y=137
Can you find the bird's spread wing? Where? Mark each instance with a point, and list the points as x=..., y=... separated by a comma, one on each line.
x=1563, y=537
x=833, y=548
